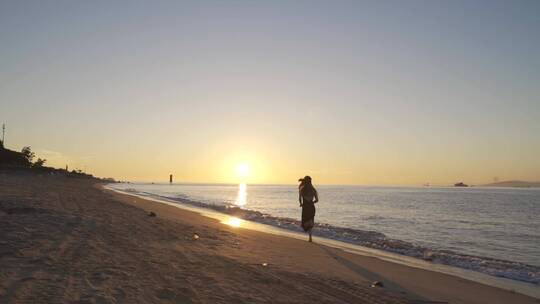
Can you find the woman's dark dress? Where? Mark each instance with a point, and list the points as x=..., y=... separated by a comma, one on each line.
x=308, y=215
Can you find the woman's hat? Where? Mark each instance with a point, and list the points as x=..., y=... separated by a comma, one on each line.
x=306, y=178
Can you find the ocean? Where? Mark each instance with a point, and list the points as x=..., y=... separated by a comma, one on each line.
x=495, y=231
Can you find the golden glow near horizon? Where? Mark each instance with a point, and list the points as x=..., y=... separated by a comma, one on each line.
x=268, y=164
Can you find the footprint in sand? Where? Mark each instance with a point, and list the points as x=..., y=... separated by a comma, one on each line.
x=96, y=279
x=184, y=296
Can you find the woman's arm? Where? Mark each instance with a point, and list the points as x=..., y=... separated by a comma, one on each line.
x=316, y=197
x=300, y=198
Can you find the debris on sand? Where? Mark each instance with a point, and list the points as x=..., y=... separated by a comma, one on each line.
x=151, y=214
x=195, y=236
x=428, y=255
x=377, y=284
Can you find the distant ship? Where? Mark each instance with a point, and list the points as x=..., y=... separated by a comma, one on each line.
x=460, y=184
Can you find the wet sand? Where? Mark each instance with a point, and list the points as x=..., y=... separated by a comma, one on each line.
x=68, y=240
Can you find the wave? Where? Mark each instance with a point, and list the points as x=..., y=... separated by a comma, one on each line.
x=376, y=240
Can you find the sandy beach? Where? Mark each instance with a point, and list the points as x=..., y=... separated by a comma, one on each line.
x=68, y=240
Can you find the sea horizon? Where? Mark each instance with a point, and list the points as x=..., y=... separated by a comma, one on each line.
x=450, y=185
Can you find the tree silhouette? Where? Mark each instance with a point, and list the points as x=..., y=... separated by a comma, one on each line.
x=28, y=154
x=39, y=163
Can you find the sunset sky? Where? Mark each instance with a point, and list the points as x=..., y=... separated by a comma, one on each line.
x=350, y=92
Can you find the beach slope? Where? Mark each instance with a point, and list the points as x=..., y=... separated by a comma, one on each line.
x=68, y=240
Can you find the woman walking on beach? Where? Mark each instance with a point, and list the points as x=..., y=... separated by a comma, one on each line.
x=307, y=196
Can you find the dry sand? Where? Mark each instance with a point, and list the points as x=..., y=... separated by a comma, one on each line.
x=67, y=240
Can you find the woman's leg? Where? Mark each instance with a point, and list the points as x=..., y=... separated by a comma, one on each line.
x=310, y=235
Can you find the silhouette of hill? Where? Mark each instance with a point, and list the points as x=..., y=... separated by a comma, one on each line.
x=514, y=183
x=13, y=161
x=9, y=158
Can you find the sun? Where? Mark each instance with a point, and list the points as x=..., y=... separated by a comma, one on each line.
x=242, y=170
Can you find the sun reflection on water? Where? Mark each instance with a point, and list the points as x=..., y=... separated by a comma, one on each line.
x=241, y=198
x=234, y=221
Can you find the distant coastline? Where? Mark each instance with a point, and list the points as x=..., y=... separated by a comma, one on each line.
x=514, y=184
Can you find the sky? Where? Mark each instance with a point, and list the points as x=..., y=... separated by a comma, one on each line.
x=349, y=92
